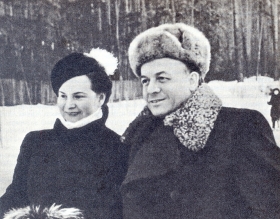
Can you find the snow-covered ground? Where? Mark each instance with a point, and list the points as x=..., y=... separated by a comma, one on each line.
x=17, y=121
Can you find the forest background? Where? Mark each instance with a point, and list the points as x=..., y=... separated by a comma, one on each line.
x=35, y=34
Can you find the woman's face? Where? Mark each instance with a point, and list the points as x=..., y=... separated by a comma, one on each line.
x=76, y=100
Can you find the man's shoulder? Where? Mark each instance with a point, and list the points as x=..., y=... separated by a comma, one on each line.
x=245, y=120
x=241, y=118
x=239, y=113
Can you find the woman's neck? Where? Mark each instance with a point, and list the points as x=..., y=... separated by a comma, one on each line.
x=71, y=125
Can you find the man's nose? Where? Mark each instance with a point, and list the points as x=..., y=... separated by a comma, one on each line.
x=153, y=87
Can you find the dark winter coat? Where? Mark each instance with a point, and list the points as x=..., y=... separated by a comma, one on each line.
x=236, y=174
x=275, y=104
x=80, y=168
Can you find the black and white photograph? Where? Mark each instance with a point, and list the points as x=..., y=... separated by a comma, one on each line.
x=139, y=109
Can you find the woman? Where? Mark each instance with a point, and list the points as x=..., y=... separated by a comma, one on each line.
x=79, y=163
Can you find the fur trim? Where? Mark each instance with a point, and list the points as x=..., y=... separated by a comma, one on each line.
x=178, y=41
x=36, y=212
x=105, y=59
x=193, y=122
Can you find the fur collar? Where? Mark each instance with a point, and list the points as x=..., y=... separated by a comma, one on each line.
x=193, y=122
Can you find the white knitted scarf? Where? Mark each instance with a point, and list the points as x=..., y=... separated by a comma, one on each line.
x=71, y=125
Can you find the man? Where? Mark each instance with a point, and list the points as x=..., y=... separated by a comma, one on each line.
x=190, y=157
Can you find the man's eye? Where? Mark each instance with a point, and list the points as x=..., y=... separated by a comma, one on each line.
x=144, y=81
x=162, y=79
x=62, y=96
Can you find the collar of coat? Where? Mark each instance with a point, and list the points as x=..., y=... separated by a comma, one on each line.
x=192, y=122
x=77, y=133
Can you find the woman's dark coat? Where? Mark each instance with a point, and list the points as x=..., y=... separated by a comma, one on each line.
x=236, y=174
x=80, y=168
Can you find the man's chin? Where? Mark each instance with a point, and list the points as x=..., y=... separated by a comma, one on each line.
x=158, y=112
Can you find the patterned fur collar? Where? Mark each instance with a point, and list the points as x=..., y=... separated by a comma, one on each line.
x=193, y=121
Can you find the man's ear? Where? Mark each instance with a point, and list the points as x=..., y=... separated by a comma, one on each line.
x=194, y=80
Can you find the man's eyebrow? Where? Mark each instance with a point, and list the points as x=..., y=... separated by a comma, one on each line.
x=157, y=74
x=161, y=72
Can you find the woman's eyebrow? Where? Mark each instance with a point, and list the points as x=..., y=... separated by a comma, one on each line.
x=79, y=92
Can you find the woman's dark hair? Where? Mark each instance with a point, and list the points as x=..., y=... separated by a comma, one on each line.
x=101, y=83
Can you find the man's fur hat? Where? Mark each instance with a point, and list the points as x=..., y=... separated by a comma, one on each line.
x=37, y=212
x=178, y=41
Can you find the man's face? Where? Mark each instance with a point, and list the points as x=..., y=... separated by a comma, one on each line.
x=167, y=83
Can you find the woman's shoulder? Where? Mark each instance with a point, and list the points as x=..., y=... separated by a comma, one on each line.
x=39, y=134
x=110, y=134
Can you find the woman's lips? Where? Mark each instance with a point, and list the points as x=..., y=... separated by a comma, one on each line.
x=72, y=113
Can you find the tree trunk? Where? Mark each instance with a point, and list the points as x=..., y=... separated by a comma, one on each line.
x=274, y=14
x=259, y=46
x=237, y=40
x=144, y=15
x=173, y=12
x=248, y=36
x=192, y=12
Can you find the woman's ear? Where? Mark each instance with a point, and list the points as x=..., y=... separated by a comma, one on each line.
x=194, y=80
x=102, y=98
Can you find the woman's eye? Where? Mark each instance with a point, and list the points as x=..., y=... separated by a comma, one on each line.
x=63, y=96
x=78, y=97
x=144, y=81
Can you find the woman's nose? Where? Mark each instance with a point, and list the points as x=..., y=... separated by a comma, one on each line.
x=70, y=103
x=153, y=87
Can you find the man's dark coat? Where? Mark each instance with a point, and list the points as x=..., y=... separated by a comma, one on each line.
x=236, y=174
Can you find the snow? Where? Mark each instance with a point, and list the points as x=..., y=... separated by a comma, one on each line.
x=17, y=121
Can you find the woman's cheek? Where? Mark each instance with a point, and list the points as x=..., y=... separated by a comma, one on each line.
x=60, y=103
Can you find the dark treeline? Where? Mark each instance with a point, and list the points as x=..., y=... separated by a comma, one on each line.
x=35, y=34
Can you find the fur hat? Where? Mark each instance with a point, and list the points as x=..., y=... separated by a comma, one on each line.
x=78, y=64
x=36, y=212
x=178, y=41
